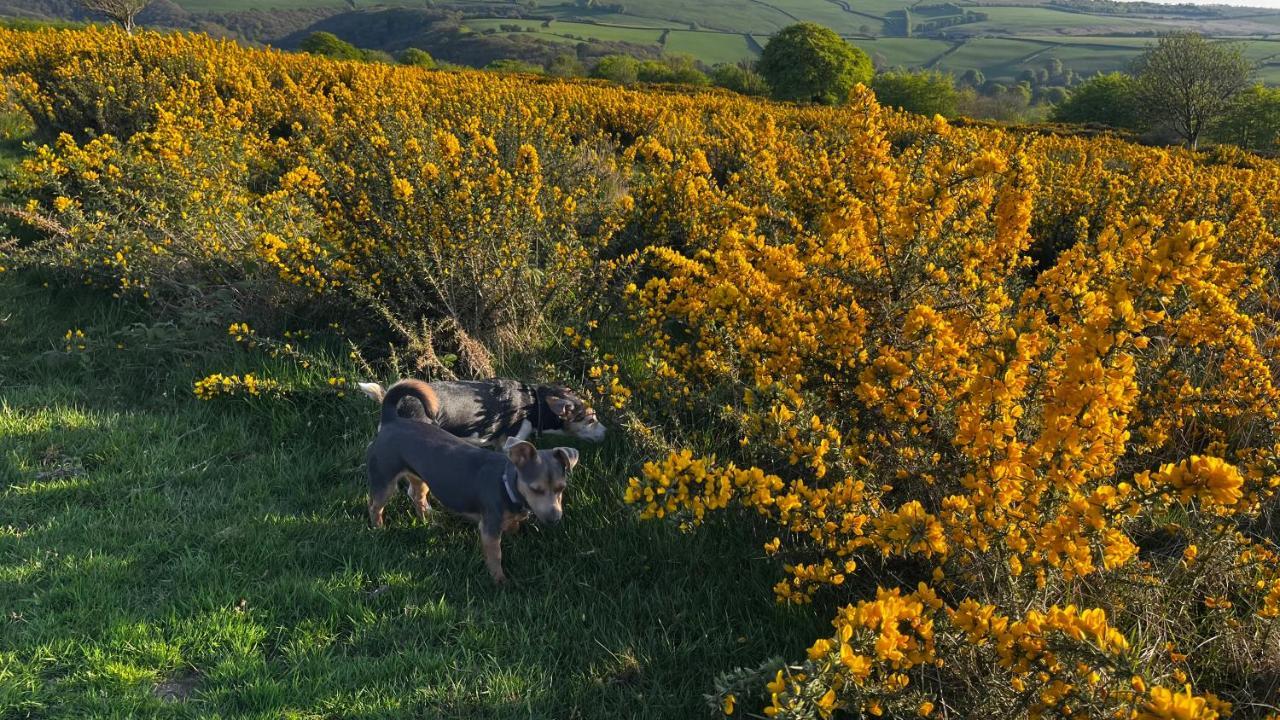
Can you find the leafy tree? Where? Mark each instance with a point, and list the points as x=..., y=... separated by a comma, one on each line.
x=808, y=62
x=1106, y=99
x=331, y=46
x=618, y=68
x=1055, y=95
x=927, y=93
x=565, y=65
x=1252, y=121
x=121, y=11
x=417, y=58
x=1187, y=82
x=739, y=79
x=973, y=78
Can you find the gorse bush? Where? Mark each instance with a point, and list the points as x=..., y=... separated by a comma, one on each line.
x=1055, y=465
x=279, y=182
x=1006, y=401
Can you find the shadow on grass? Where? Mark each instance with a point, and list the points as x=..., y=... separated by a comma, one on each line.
x=187, y=559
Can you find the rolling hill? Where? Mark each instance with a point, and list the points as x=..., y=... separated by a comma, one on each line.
x=1001, y=39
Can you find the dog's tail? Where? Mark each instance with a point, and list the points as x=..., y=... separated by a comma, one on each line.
x=375, y=391
x=416, y=389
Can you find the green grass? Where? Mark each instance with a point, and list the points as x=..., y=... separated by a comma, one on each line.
x=575, y=30
x=152, y=544
x=14, y=131
x=725, y=15
x=995, y=57
x=905, y=52
x=240, y=5
x=710, y=47
x=1041, y=20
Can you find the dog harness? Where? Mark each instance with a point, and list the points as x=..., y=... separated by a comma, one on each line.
x=509, y=482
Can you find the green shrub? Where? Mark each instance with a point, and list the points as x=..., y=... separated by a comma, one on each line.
x=926, y=93
x=417, y=58
x=739, y=79
x=330, y=45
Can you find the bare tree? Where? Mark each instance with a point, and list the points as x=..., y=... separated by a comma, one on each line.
x=1187, y=82
x=122, y=11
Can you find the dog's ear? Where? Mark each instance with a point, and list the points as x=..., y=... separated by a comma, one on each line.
x=561, y=407
x=375, y=391
x=521, y=452
x=567, y=456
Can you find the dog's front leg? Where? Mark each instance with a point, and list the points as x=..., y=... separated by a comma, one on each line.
x=491, y=541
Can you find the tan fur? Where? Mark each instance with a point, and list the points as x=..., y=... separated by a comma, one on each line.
x=493, y=557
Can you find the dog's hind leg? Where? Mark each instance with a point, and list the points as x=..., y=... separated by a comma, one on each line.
x=381, y=489
x=418, y=494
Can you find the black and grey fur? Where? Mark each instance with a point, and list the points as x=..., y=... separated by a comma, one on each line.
x=488, y=412
x=497, y=490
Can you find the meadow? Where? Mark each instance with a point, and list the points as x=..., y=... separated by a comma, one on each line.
x=910, y=418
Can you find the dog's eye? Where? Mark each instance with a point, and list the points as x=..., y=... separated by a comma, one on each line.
x=537, y=490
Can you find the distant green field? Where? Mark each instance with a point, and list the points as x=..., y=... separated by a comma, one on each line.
x=1085, y=59
x=1091, y=40
x=1269, y=74
x=710, y=47
x=726, y=15
x=569, y=14
x=834, y=16
x=574, y=30
x=1261, y=50
x=1013, y=38
x=1017, y=20
x=905, y=52
x=237, y=5
x=993, y=56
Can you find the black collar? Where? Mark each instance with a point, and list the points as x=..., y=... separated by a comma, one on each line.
x=513, y=500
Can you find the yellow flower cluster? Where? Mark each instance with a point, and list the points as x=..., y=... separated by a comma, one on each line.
x=248, y=384
x=1209, y=480
x=75, y=341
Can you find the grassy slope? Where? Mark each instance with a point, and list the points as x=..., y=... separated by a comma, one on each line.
x=151, y=543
